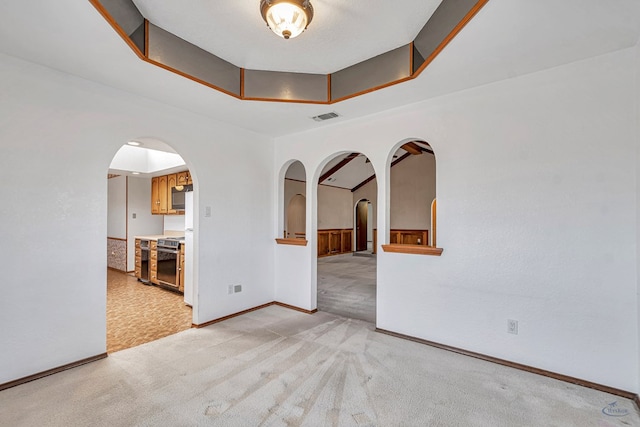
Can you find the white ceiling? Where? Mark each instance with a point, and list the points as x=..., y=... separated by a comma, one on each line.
x=506, y=39
x=342, y=32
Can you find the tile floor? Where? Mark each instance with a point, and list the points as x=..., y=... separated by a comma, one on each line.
x=138, y=313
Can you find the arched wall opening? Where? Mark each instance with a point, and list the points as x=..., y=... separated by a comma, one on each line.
x=410, y=210
x=294, y=205
x=346, y=271
x=150, y=257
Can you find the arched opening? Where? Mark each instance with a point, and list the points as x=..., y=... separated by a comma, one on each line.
x=346, y=265
x=150, y=254
x=295, y=202
x=412, y=195
x=296, y=217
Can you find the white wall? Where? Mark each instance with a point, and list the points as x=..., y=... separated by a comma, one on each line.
x=52, y=119
x=144, y=224
x=117, y=207
x=536, y=184
x=173, y=223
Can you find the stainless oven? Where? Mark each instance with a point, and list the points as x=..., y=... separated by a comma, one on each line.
x=168, y=262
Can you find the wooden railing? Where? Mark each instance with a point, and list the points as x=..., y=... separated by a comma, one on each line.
x=335, y=241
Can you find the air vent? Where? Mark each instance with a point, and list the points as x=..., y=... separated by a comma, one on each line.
x=326, y=116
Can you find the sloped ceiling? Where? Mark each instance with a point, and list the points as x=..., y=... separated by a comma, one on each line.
x=507, y=38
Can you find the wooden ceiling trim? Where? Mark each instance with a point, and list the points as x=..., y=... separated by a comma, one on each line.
x=337, y=167
x=372, y=177
x=413, y=148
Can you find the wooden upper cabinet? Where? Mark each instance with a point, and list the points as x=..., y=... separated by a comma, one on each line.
x=155, y=196
x=172, y=181
x=162, y=194
x=183, y=178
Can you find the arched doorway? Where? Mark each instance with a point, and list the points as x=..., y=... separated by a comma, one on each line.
x=346, y=200
x=149, y=244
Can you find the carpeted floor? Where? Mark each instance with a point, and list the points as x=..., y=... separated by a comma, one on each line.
x=279, y=367
x=137, y=313
x=347, y=286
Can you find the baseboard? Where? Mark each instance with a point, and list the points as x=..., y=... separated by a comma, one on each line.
x=51, y=371
x=543, y=372
x=291, y=307
x=636, y=400
x=240, y=313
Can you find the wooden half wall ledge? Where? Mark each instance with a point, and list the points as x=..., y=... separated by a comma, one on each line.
x=249, y=310
x=568, y=379
x=412, y=249
x=52, y=371
x=289, y=241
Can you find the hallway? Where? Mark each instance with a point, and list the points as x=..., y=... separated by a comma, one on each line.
x=347, y=286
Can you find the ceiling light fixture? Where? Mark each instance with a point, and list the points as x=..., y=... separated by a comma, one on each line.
x=287, y=18
x=134, y=143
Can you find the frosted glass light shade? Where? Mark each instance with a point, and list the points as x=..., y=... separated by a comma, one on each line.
x=287, y=18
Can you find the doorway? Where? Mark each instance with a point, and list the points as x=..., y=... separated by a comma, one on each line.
x=140, y=308
x=346, y=266
x=363, y=228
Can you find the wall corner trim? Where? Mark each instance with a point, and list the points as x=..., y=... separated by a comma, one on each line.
x=52, y=371
x=249, y=310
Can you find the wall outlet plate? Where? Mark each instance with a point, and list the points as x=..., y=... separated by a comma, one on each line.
x=512, y=326
x=230, y=289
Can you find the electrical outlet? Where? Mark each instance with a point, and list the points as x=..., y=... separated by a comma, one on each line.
x=230, y=289
x=133, y=215
x=237, y=288
x=207, y=211
x=512, y=326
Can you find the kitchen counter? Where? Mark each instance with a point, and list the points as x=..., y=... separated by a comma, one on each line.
x=155, y=237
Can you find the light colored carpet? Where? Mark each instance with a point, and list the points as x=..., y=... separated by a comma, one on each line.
x=347, y=286
x=138, y=313
x=278, y=367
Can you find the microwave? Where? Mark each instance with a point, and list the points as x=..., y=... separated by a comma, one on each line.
x=177, y=196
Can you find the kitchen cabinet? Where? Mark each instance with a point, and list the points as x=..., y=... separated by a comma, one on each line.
x=155, y=198
x=172, y=181
x=161, y=187
x=184, y=178
x=153, y=262
x=181, y=267
x=138, y=264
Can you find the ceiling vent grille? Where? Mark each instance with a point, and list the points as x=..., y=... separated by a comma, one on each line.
x=326, y=116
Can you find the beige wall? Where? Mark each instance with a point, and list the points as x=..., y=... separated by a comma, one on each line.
x=291, y=188
x=335, y=207
x=413, y=187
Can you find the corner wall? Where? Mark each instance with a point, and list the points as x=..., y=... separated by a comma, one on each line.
x=537, y=215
